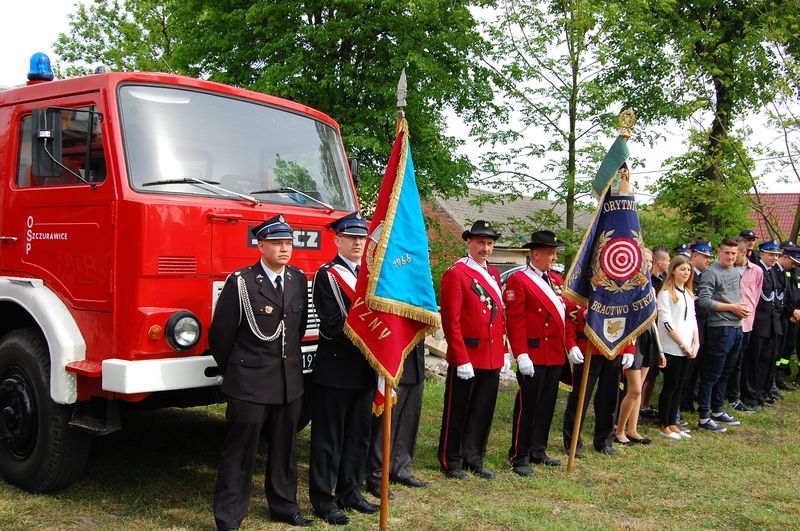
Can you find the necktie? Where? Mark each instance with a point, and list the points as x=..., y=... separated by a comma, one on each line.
x=358, y=268
x=279, y=286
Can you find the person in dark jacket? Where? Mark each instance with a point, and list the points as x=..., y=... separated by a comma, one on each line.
x=259, y=321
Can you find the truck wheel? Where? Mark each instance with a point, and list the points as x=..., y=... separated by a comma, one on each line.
x=38, y=450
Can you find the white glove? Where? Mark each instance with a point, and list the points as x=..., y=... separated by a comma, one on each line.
x=627, y=361
x=575, y=356
x=525, y=365
x=506, y=362
x=465, y=372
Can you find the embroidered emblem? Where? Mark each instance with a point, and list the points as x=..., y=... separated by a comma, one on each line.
x=510, y=295
x=268, y=310
x=613, y=328
x=281, y=219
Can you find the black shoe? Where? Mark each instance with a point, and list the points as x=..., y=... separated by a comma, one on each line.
x=608, y=451
x=362, y=506
x=643, y=440
x=481, y=472
x=334, y=517
x=785, y=386
x=649, y=413
x=546, y=460
x=375, y=490
x=578, y=452
x=522, y=470
x=455, y=473
x=623, y=443
x=411, y=481
x=295, y=519
x=777, y=395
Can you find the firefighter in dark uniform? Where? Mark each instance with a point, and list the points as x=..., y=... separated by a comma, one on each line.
x=767, y=336
x=344, y=385
x=259, y=321
x=405, y=425
x=787, y=266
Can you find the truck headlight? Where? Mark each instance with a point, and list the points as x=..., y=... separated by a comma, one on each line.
x=183, y=330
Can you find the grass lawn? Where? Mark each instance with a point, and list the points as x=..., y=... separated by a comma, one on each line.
x=159, y=473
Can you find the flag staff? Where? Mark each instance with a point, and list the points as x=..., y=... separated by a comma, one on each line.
x=626, y=121
x=402, y=90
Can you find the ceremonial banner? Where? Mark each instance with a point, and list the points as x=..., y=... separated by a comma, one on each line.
x=609, y=274
x=395, y=305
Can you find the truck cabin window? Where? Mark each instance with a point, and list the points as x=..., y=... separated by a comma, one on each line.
x=175, y=138
x=81, y=151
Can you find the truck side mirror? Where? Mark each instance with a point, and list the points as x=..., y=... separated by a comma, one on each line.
x=46, y=144
x=353, y=163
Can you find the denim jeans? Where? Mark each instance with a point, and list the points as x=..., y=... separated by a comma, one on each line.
x=723, y=347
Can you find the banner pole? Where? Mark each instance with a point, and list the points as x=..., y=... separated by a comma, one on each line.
x=387, y=445
x=576, y=429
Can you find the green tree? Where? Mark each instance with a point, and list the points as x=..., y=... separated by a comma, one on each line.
x=343, y=58
x=696, y=61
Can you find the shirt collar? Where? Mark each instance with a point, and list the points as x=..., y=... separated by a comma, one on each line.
x=272, y=275
x=483, y=265
x=352, y=265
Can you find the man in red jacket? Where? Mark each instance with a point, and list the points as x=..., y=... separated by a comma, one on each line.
x=536, y=334
x=474, y=327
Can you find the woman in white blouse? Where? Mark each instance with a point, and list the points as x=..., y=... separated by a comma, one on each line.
x=677, y=327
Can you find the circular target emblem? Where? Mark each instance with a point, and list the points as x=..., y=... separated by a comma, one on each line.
x=621, y=258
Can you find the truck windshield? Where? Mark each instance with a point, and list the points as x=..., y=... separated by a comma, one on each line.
x=175, y=135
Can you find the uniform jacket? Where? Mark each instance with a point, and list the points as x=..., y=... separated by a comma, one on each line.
x=474, y=328
x=414, y=365
x=255, y=370
x=339, y=363
x=768, y=312
x=535, y=326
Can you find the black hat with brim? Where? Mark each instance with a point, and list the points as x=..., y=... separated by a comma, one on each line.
x=480, y=229
x=542, y=239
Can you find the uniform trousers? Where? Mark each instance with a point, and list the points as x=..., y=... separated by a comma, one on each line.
x=533, y=413
x=340, y=424
x=244, y=424
x=467, y=418
x=605, y=373
x=784, y=370
x=761, y=354
x=405, y=424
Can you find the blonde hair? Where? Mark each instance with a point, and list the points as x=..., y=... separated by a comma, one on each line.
x=669, y=284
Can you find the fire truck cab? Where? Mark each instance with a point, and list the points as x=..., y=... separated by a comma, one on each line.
x=126, y=200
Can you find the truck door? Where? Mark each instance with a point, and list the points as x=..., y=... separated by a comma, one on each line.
x=64, y=223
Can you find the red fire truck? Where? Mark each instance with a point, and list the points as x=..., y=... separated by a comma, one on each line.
x=126, y=200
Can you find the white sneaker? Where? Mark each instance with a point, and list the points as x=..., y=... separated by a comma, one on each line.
x=683, y=435
x=671, y=435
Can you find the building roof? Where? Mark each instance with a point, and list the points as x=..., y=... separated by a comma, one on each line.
x=464, y=213
x=781, y=209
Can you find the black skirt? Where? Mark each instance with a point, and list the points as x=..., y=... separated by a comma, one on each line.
x=647, y=354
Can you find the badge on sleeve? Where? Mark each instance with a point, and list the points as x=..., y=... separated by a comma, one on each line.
x=510, y=295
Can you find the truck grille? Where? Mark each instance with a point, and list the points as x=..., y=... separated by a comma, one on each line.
x=171, y=265
x=313, y=321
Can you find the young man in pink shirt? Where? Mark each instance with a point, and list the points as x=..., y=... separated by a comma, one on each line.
x=752, y=280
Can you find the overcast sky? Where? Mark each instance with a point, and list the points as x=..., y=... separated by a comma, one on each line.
x=31, y=26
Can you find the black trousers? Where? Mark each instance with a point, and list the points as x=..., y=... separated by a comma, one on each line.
x=533, y=413
x=670, y=399
x=784, y=371
x=467, y=418
x=244, y=424
x=606, y=374
x=405, y=425
x=340, y=423
x=756, y=375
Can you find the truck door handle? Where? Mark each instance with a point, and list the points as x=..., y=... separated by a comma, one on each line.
x=8, y=238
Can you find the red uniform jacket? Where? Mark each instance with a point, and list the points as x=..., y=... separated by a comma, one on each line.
x=535, y=325
x=474, y=328
x=575, y=335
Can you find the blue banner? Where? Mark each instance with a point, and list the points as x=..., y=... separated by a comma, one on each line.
x=609, y=275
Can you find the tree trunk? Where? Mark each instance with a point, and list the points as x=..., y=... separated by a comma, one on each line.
x=714, y=151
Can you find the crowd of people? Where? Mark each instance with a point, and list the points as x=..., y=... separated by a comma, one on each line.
x=722, y=339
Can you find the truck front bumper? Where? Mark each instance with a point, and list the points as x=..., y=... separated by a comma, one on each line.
x=148, y=376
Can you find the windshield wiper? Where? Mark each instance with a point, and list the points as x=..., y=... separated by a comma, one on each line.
x=210, y=184
x=287, y=190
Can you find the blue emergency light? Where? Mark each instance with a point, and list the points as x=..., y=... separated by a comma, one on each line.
x=40, y=68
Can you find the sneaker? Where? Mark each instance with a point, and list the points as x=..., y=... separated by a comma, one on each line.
x=684, y=435
x=710, y=425
x=738, y=405
x=671, y=435
x=724, y=418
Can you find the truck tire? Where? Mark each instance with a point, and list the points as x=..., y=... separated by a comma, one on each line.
x=39, y=452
